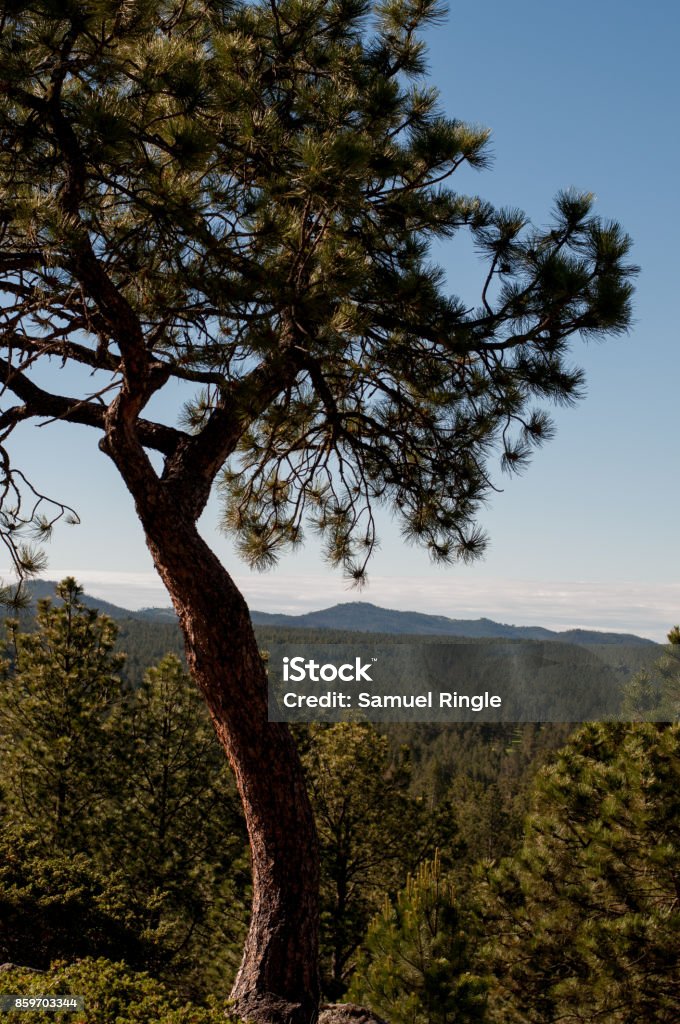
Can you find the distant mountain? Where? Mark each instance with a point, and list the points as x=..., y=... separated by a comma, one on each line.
x=47, y=588
x=363, y=617
x=155, y=614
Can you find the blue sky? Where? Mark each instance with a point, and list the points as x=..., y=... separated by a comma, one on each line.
x=579, y=94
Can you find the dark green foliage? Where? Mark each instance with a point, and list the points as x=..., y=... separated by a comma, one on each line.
x=178, y=792
x=146, y=643
x=177, y=828
x=583, y=924
x=113, y=994
x=674, y=635
x=485, y=772
x=120, y=818
x=371, y=831
x=418, y=960
x=55, y=905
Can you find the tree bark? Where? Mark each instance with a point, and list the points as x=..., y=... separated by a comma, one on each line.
x=277, y=982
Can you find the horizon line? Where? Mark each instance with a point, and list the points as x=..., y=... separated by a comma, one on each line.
x=647, y=610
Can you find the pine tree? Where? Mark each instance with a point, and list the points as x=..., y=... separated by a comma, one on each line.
x=417, y=966
x=177, y=833
x=583, y=923
x=242, y=198
x=59, y=904
x=111, y=992
x=371, y=834
x=61, y=691
x=121, y=831
x=60, y=698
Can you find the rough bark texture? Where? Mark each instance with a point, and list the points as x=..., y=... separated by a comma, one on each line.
x=277, y=982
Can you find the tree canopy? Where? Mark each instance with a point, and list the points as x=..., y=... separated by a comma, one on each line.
x=418, y=963
x=371, y=834
x=654, y=694
x=61, y=691
x=242, y=197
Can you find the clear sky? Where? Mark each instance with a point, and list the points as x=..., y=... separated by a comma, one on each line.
x=579, y=94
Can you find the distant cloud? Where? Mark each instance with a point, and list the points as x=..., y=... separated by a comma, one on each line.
x=648, y=609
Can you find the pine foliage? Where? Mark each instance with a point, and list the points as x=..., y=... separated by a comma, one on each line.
x=654, y=694
x=583, y=923
x=58, y=904
x=111, y=992
x=243, y=198
x=177, y=829
x=417, y=966
x=61, y=693
x=122, y=835
x=372, y=832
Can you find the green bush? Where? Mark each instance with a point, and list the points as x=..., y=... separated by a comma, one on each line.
x=113, y=994
x=60, y=906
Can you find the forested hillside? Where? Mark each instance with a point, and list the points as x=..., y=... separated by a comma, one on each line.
x=148, y=634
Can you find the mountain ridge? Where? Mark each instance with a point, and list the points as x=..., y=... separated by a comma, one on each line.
x=365, y=617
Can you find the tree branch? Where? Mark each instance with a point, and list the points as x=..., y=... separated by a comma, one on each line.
x=39, y=403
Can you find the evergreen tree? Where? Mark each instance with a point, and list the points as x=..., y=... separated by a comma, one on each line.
x=112, y=993
x=178, y=835
x=417, y=966
x=60, y=692
x=371, y=834
x=121, y=821
x=674, y=636
x=584, y=923
x=242, y=198
x=485, y=771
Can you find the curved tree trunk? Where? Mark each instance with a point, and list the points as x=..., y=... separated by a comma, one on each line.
x=277, y=982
